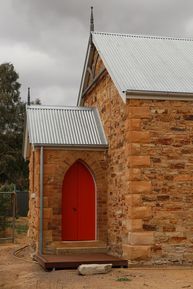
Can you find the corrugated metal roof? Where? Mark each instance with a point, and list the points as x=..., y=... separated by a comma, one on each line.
x=147, y=63
x=65, y=126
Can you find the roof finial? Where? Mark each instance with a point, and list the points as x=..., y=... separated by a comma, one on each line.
x=91, y=20
x=28, y=96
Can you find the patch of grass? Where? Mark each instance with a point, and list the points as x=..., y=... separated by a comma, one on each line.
x=123, y=279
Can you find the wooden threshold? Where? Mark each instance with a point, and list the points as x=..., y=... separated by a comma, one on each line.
x=49, y=262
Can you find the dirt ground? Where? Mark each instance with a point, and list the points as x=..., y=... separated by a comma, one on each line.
x=22, y=273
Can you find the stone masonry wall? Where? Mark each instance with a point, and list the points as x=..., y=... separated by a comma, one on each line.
x=149, y=175
x=113, y=114
x=56, y=164
x=34, y=185
x=163, y=137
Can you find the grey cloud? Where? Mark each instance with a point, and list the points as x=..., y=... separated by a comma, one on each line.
x=46, y=40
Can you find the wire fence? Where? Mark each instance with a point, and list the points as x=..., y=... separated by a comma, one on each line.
x=7, y=215
x=22, y=203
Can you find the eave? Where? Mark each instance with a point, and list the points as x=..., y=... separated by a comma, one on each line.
x=160, y=95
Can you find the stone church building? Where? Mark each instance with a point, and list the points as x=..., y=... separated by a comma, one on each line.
x=115, y=172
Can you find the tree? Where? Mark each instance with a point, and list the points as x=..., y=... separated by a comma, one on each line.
x=13, y=169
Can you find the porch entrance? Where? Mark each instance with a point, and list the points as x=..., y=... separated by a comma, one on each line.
x=78, y=204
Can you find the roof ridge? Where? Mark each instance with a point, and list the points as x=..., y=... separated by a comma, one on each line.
x=144, y=36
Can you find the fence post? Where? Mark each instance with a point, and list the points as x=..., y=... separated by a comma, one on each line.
x=14, y=215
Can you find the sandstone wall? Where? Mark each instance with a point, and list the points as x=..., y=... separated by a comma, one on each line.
x=34, y=185
x=150, y=175
x=163, y=138
x=56, y=164
x=113, y=114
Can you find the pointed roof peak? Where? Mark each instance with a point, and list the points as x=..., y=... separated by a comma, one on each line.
x=91, y=20
x=28, y=96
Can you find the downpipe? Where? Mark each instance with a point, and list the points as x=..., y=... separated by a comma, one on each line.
x=41, y=199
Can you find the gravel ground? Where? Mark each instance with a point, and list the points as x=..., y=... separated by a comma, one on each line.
x=23, y=273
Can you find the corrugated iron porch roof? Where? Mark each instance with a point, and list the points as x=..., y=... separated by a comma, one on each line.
x=64, y=126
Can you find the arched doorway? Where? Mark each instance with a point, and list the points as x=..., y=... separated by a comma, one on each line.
x=78, y=204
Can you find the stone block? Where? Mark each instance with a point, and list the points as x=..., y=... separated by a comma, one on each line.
x=134, y=174
x=188, y=257
x=183, y=178
x=141, y=238
x=133, y=200
x=92, y=269
x=45, y=202
x=140, y=212
x=47, y=213
x=138, y=187
x=136, y=252
x=140, y=137
x=132, y=149
x=135, y=124
x=135, y=225
x=45, y=224
x=139, y=161
x=139, y=112
x=47, y=235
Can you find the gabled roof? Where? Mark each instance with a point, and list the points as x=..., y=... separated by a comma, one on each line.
x=147, y=64
x=72, y=127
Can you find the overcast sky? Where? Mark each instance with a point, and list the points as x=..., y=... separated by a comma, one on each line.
x=46, y=40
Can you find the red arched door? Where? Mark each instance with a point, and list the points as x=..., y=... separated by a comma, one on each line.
x=78, y=204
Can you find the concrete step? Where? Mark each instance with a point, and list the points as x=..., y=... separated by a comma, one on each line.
x=64, y=244
x=79, y=247
x=80, y=250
